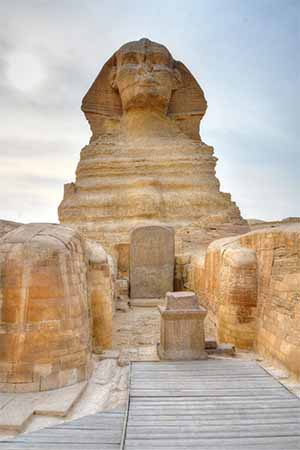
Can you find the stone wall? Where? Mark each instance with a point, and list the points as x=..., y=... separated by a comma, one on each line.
x=251, y=287
x=45, y=308
x=101, y=294
x=181, y=272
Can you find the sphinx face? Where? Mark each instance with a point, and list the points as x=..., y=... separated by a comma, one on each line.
x=145, y=76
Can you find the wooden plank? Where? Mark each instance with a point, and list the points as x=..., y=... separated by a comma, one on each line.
x=212, y=405
x=227, y=404
x=57, y=446
x=93, y=422
x=201, y=401
x=194, y=405
x=266, y=443
x=99, y=431
x=274, y=393
x=175, y=421
x=209, y=376
x=186, y=430
x=212, y=414
x=203, y=381
x=83, y=436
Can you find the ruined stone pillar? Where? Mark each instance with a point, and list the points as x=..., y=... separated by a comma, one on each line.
x=182, y=327
x=100, y=291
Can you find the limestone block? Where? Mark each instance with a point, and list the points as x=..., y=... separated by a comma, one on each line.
x=182, y=263
x=44, y=312
x=152, y=257
x=182, y=260
x=182, y=327
x=100, y=289
x=181, y=301
x=238, y=297
x=122, y=294
x=225, y=349
x=122, y=251
x=252, y=287
x=122, y=288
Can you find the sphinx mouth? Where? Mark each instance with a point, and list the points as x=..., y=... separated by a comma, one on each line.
x=147, y=83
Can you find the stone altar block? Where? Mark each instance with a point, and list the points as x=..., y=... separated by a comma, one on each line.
x=182, y=328
x=152, y=256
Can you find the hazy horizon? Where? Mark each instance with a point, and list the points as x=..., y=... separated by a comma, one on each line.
x=244, y=54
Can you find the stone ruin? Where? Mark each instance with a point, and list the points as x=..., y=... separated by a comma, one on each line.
x=55, y=303
x=146, y=163
x=136, y=223
x=251, y=287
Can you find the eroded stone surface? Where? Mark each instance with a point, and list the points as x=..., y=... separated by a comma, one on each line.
x=106, y=390
x=55, y=294
x=251, y=287
x=7, y=225
x=152, y=256
x=100, y=281
x=45, y=323
x=146, y=163
x=21, y=407
x=182, y=327
x=138, y=327
x=181, y=301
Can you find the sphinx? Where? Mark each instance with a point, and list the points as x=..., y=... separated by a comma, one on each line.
x=146, y=163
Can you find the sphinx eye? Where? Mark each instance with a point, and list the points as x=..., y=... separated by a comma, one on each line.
x=160, y=59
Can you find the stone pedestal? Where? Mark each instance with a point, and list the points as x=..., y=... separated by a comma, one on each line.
x=182, y=328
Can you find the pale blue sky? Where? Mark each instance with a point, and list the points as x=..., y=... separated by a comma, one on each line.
x=244, y=53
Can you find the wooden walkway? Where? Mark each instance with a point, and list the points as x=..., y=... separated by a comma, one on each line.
x=101, y=431
x=213, y=405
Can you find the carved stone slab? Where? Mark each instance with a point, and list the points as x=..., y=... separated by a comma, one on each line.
x=152, y=257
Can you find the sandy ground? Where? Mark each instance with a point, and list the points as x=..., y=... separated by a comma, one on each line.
x=137, y=327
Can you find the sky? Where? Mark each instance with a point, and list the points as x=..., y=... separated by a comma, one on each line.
x=244, y=54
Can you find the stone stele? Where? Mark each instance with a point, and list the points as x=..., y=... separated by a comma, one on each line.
x=146, y=163
x=152, y=256
x=182, y=327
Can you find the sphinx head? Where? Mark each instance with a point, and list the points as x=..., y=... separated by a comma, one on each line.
x=145, y=75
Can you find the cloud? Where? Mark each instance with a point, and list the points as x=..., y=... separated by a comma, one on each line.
x=244, y=54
